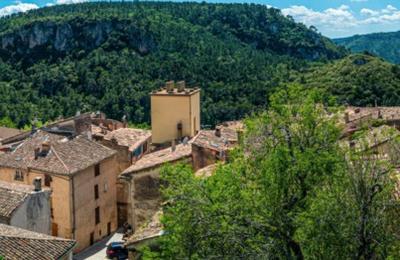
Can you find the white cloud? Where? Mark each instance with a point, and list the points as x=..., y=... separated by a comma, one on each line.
x=369, y=12
x=339, y=21
x=66, y=2
x=335, y=18
x=17, y=8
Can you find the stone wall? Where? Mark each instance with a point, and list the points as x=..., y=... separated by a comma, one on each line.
x=34, y=213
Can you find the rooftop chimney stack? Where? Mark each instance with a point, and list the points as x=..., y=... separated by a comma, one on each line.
x=218, y=131
x=170, y=86
x=45, y=148
x=37, y=182
x=173, y=146
x=36, y=152
x=181, y=85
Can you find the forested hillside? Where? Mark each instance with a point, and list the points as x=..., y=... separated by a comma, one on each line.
x=385, y=45
x=108, y=56
x=359, y=79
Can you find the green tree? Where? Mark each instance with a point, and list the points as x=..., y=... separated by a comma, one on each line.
x=290, y=191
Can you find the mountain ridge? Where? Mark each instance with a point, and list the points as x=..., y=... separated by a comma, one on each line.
x=109, y=56
x=385, y=45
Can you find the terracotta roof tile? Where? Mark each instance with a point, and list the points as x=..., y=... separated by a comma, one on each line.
x=6, y=132
x=17, y=243
x=66, y=156
x=160, y=157
x=128, y=137
x=11, y=197
x=208, y=139
x=386, y=113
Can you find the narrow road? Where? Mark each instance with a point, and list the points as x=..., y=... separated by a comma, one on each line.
x=98, y=250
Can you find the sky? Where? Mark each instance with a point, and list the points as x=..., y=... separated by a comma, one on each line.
x=333, y=18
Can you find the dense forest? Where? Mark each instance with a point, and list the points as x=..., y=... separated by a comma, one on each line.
x=385, y=45
x=58, y=60
x=358, y=79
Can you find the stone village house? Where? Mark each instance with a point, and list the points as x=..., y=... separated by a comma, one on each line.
x=130, y=144
x=81, y=175
x=25, y=206
x=143, y=179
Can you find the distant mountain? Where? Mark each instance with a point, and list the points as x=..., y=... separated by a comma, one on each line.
x=108, y=56
x=385, y=45
x=360, y=80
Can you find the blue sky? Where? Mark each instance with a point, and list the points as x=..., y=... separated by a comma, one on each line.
x=333, y=18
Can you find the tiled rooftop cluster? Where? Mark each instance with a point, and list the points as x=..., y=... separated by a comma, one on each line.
x=6, y=132
x=221, y=139
x=56, y=153
x=128, y=137
x=385, y=113
x=17, y=243
x=160, y=157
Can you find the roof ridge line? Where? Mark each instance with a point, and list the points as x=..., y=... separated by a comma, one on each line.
x=58, y=157
x=50, y=238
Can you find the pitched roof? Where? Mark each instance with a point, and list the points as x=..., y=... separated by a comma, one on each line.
x=6, y=132
x=208, y=139
x=128, y=137
x=17, y=243
x=66, y=156
x=385, y=113
x=160, y=157
x=11, y=197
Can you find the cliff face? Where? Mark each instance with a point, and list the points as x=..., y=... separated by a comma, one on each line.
x=52, y=38
x=109, y=56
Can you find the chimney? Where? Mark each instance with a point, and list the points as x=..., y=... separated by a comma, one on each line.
x=36, y=152
x=124, y=121
x=181, y=86
x=45, y=148
x=218, y=131
x=346, y=117
x=173, y=146
x=37, y=182
x=170, y=86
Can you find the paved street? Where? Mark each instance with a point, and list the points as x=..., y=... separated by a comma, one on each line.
x=98, y=250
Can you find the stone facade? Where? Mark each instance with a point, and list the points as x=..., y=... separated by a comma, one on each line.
x=23, y=207
x=82, y=176
x=175, y=113
x=143, y=179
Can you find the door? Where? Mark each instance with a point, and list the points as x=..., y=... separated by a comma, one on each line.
x=54, y=229
x=92, y=238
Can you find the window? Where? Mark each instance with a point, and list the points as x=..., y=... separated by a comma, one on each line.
x=47, y=180
x=19, y=176
x=96, y=192
x=108, y=228
x=97, y=215
x=97, y=170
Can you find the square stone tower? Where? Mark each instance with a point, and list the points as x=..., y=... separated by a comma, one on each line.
x=175, y=112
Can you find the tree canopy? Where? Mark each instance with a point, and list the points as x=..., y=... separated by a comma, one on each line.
x=291, y=191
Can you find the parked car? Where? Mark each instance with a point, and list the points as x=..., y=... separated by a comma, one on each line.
x=117, y=250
